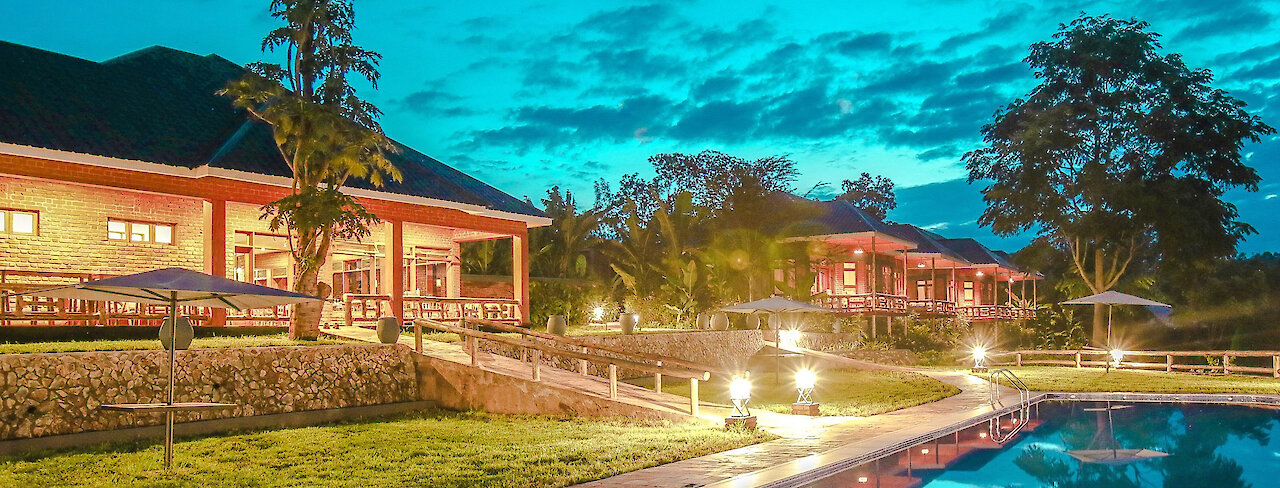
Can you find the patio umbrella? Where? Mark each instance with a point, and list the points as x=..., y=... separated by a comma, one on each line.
x=1114, y=456
x=1110, y=298
x=776, y=304
x=174, y=287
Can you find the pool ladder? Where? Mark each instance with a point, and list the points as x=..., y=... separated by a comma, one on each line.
x=1019, y=416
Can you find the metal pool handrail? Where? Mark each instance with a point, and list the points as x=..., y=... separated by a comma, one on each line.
x=1020, y=415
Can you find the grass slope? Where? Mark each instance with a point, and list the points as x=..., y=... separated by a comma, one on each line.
x=433, y=448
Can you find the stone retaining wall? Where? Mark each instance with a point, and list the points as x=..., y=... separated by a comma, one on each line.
x=729, y=349
x=50, y=394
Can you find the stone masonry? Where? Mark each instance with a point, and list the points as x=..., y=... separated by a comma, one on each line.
x=51, y=394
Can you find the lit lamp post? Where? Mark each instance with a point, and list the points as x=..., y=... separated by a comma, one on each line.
x=740, y=394
x=979, y=359
x=1117, y=355
x=804, y=404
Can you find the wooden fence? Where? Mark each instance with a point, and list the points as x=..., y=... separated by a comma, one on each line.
x=1198, y=361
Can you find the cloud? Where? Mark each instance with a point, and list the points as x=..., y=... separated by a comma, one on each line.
x=434, y=102
x=722, y=120
x=1242, y=19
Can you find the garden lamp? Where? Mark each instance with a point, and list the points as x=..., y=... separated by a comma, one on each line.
x=979, y=358
x=740, y=394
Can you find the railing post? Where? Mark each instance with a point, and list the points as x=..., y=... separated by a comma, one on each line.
x=537, y=365
x=693, y=397
x=657, y=380
x=582, y=363
x=346, y=309
x=1018, y=357
x=613, y=381
x=1077, y=359
x=1275, y=366
x=472, y=347
x=1226, y=365
x=1168, y=363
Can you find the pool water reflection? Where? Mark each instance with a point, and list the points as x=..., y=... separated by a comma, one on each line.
x=1094, y=445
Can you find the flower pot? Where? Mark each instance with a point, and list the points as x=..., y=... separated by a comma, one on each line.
x=753, y=321
x=720, y=321
x=557, y=324
x=704, y=321
x=628, y=322
x=388, y=330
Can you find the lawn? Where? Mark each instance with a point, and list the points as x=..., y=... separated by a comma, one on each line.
x=1048, y=378
x=131, y=344
x=434, y=448
x=841, y=392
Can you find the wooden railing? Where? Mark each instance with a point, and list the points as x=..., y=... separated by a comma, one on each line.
x=567, y=347
x=17, y=309
x=932, y=307
x=1090, y=358
x=369, y=308
x=995, y=312
x=865, y=303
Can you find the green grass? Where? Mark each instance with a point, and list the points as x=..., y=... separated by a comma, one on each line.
x=1067, y=379
x=132, y=344
x=841, y=392
x=433, y=448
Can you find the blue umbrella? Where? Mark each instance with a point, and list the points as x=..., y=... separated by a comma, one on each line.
x=174, y=287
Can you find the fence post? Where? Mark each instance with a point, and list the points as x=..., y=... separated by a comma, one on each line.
x=1226, y=365
x=537, y=365
x=1275, y=366
x=1168, y=363
x=582, y=363
x=472, y=347
x=693, y=397
x=613, y=381
x=657, y=380
x=1077, y=359
x=346, y=309
x=1019, y=359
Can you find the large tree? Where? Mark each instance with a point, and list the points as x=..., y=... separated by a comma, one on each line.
x=872, y=194
x=324, y=132
x=1120, y=152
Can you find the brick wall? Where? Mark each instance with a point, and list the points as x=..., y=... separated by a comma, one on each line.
x=72, y=234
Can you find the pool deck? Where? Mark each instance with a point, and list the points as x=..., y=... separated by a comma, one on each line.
x=810, y=444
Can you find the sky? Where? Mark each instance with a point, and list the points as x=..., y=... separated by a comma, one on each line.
x=527, y=95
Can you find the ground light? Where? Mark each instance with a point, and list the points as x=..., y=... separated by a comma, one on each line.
x=1117, y=355
x=740, y=394
x=598, y=314
x=788, y=339
x=804, y=405
x=979, y=359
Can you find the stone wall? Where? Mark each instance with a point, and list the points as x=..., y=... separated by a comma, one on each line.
x=50, y=394
x=728, y=350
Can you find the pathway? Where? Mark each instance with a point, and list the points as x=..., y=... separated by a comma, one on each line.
x=809, y=443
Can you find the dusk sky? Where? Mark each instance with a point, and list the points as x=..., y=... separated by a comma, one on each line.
x=526, y=95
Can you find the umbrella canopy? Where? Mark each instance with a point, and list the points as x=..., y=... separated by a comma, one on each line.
x=190, y=287
x=775, y=305
x=1115, y=457
x=1115, y=298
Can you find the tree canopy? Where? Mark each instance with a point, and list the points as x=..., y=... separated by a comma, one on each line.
x=1121, y=152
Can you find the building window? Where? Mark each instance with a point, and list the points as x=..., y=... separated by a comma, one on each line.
x=924, y=290
x=968, y=293
x=851, y=277
x=19, y=222
x=124, y=230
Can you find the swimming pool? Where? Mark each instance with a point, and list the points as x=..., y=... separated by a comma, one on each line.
x=1095, y=445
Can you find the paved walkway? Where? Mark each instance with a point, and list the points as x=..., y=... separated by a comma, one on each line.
x=806, y=443
x=810, y=444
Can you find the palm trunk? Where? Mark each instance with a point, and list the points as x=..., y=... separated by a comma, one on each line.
x=1099, y=313
x=306, y=316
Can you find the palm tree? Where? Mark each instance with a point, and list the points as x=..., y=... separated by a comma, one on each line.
x=324, y=132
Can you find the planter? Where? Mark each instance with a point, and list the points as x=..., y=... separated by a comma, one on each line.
x=557, y=324
x=720, y=321
x=703, y=322
x=629, y=321
x=753, y=321
x=388, y=330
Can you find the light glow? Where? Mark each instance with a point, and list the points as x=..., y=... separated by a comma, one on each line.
x=789, y=339
x=979, y=273
x=857, y=251
x=740, y=389
x=920, y=265
x=1117, y=355
x=862, y=479
x=979, y=356
x=598, y=314
x=805, y=379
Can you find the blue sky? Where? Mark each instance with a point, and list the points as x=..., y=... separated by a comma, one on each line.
x=526, y=95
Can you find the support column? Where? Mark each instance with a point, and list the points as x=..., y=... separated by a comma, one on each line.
x=391, y=274
x=520, y=273
x=215, y=250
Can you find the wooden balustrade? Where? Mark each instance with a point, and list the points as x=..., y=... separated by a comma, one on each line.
x=995, y=312
x=865, y=303
x=932, y=307
x=569, y=348
x=1081, y=359
x=371, y=307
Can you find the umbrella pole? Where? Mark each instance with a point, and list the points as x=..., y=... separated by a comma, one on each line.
x=168, y=415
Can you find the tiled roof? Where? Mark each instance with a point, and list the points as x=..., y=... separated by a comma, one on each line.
x=158, y=105
x=976, y=253
x=926, y=242
x=834, y=217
